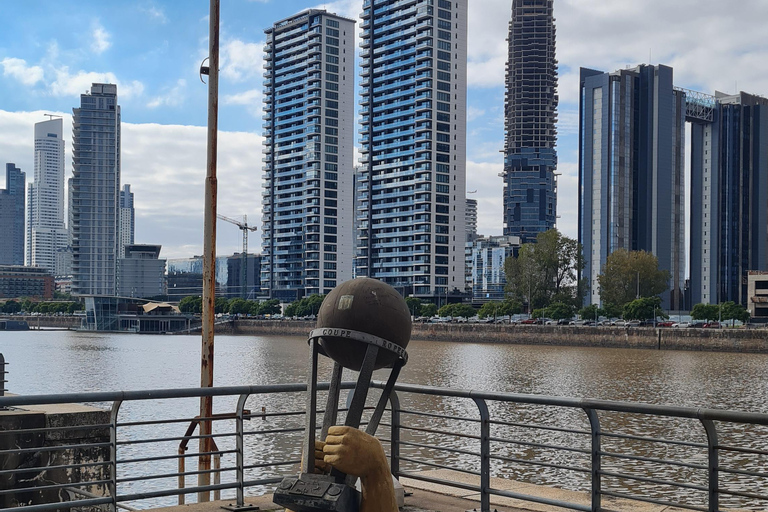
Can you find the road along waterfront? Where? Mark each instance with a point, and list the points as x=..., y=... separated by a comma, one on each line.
x=62, y=362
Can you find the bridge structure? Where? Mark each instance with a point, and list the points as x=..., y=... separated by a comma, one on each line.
x=607, y=454
x=699, y=107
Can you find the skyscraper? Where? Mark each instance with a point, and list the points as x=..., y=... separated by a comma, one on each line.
x=530, y=108
x=95, y=191
x=127, y=219
x=412, y=187
x=46, y=234
x=729, y=196
x=631, y=171
x=12, y=216
x=308, y=167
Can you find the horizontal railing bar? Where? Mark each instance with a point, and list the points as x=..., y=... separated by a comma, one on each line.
x=181, y=420
x=540, y=427
x=268, y=464
x=434, y=431
x=653, y=440
x=263, y=481
x=762, y=497
x=175, y=492
x=441, y=448
x=52, y=486
x=441, y=466
x=579, y=403
x=539, y=445
x=654, y=460
x=83, y=492
x=539, y=463
x=651, y=500
x=654, y=481
x=538, y=499
x=741, y=472
x=54, y=448
x=441, y=481
x=175, y=438
x=273, y=414
x=434, y=415
x=43, y=430
x=174, y=456
x=736, y=449
x=173, y=475
x=27, y=469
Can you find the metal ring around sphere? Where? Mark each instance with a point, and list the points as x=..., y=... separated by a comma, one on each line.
x=364, y=337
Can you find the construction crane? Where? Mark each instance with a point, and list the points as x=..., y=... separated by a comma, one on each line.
x=245, y=228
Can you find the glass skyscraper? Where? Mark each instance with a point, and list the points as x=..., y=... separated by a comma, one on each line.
x=46, y=234
x=127, y=219
x=308, y=168
x=530, y=108
x=411, y=189
x=95, y=191
x=12, y=201
x=631, y=171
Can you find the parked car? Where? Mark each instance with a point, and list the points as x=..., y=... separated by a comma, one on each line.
x=681, y=325
x=530, y=321
x=665, y=324
x=711, y=325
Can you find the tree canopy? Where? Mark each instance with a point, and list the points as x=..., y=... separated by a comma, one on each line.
x=705, y=312
x=645, y=308
x=546, y=272
x=626, y=271
x=457, y=310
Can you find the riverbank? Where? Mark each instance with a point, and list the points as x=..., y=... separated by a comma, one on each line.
x=648, y=338
x=715, y=340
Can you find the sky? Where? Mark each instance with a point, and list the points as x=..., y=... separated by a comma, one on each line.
x=50, y=53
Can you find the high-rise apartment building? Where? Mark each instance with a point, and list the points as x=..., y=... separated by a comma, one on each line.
x=46, y=234
x=12, y=216
x=530, y=108
x=729, y=196
x=486, y=256
x=631, y=171
x=127, y=219
x=471, y=222
x=412, y=188
x=95, y=191
x=308, y=168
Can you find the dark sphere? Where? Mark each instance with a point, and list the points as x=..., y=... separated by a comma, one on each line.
x=366, y=305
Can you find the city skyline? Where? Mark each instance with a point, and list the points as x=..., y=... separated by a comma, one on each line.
x=164, y=134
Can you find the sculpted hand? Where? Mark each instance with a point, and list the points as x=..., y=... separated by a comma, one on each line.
x=354, y=452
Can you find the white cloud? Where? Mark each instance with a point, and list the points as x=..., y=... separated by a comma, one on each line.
x=345, y=8
x=241, y=61
x=101, y=40
x=68, y=84
x=171, y=97
x=251, y=99
x=18, y=69
x=155, y=13
x=474, y=113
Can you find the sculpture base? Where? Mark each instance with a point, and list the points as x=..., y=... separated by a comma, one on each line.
x=311, y=493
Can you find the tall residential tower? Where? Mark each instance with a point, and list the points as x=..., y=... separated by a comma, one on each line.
x=412, y=188
x=46, y=234
x=95, y=191
x=12, y=216
x=127, y=220
x=530, y=107
x=308, y=167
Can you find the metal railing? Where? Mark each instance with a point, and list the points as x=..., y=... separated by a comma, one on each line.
x=3, y=380
x=691, y=458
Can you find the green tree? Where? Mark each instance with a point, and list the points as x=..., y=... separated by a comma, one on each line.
x=705, y=312
x=414, y=305
x=429, y=310
x=625, y=272
x=490, y=310
x=538, y=313
x=74, y=306
x=559, y=311
x=457, y=310
x=221, y=305
x=239, y=306
x=191, y=305
x=645, y=308
x=546, y=271
x=591, y=312
x=11, y=306
x=510, y=307
x=732, y=311
x=269, y=307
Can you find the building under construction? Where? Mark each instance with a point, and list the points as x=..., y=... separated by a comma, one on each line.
x=530, y=159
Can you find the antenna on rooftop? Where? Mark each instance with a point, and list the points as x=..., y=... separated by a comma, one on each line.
x=51, y=116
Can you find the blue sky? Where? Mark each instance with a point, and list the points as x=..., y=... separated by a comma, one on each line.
x=50, y=52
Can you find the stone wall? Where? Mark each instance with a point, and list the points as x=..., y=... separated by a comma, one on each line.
x=40, y=462
x=718, y=340
x=63, y=322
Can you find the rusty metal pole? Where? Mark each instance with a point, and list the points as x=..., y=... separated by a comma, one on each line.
x=209, y=252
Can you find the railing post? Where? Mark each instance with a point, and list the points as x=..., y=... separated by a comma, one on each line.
x=594, y=425
x=113, y=454
x=714, y=472
x=2, y=376
x=239, y=456
x=485, y=455
x=394, y=444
